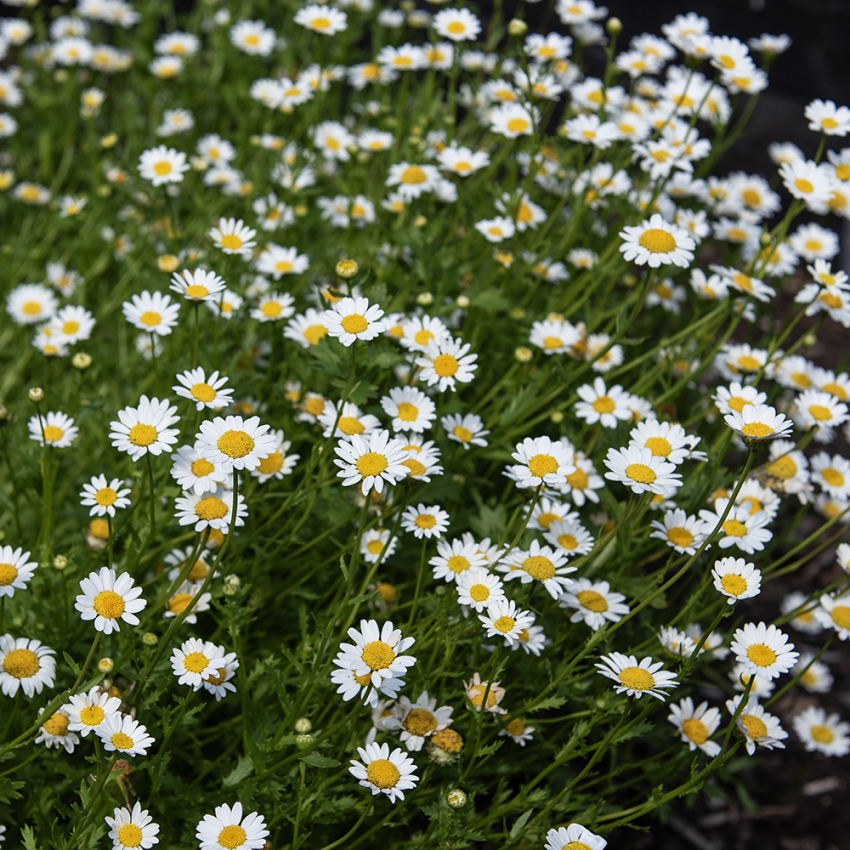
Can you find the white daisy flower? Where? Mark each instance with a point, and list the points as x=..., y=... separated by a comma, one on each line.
x=425, y=520
x=419, y=720
x=16, y=570
x=819, y=409
x=539, y=563
x=233, y=237
x=735, y=578
x=204, y=392
x=683, y=533
x=517, y=731
x=765, y=650
x=594, y=603
x=505, y=619
x=740, y=677
x=758, y=422
x=636, y=679
x=197, y=285
x=548, y=511
x=103, y=497
x=273, y=306
x=229, y=829
x=377, y=653
x=413, y=180
x=511, y=120
x=570, y=536
x=657, y=242
x=554, y=337
x=131, y=828
x=457, y=24
x=822, y=733
x=468, y=430
x=696, y=725
x=31, y=303
x=455, y=557
x=181, y=599
x=736, y=397
x=541, y=460
x=664, y=439
x=55, y=732
x=146, y=428
x=601, y=404
x=323, y=19
x=277, y=261
x=371, y=462
x=86, y=712
x=195, y=659
x=812, y=675
x=476, y=689
x=107, y=598
x=478, y=588
x=163, y=165
x=192, y=471
x=834, y=613
x=307, y=329
x=741, y=528
x=213, y=510
x=447, y=362
x=234, y=442
x=348, y=421
x=410, y=409
x=351, y=319
x=72, y=324
x=581, y=485
x=349, y=684
x=25, y=664
x=151, y=312
x=124, y=735
x=279, y=463
x=759, y=728
x=374, y=542
x=217, y=678
x=574, y=836
x=53, y=429
x=384, y=772
x=640, y=470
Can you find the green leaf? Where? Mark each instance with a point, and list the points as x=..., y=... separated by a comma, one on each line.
x=72, y=664
x=522, y=820
x=28, y=837
x=491, y=301
x=244, y=768
x=489, y=750
x=343, y=567
x=549, y=702
x=633, y=732
x=322, y=762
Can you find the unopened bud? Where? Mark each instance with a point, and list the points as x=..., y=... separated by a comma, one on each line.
x=456, y=798
x=60, y=562
x=462, y=301
x=424, y=299
x=516, y=26
x=420, y=221
x=614, y=26
x=81, y=360
x=303, y=725
x=304, y=742
x=149, y=639
x=523, y=354
x=36, y=394
x=517, y=313
x=167, y=263
x=105, y=665
x=556, y=416
x=347, y=269
x=109, y=141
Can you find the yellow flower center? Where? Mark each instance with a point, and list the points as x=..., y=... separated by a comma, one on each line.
x=284, y=267
x=733, y=585
x=382, y=773
x=271, y=464
x=201, y=468
x=21, y=663
x=371, y=463
x=463, y=434
x=216, y=677
x=99, y=528
x=121, y=741
x=542, y=465
x=832, y=477
x=314, y=406
x=658, y=446
x=179, y=602
x=31, y=308
x=354, y=324
x=831, y=300
x=476, y=695
x=70, y=328
x=378, y=655
x=680, y=536
x=458, y=564
x=805, y=186
x=196, y=662
x=539, y=567
x=783, y=467
x=109, y=604
x=695, y=730
x=56, y=725
x=842, y=171
x=761, y=655
x=592, y=600
x=235, y=444
x=142, y=435
x=231, y=241
x=822, y=734
x=820, y=412
x=52, y=434
x=445, y=365
x=567, y=541
x=375, y=547
x=320, y=23
x=407, y=412
x=8, y=574
x=211, y=508
x=419, y=722
x=350, y=425
x=105, y=496
x=604, y=404
x=425, y=521
x=92, y=715
x=734, y=528
x=576, y=845
x=637, y=679
x=755, y=726
x=504, y=624
x=479, y=592
x=150, y=318
x=641, y=473
x=314, y=333
x=232, y=836
x=657, y=241
x=203, y=392
x=195, y=290
x=518, y=125
x=130, y=835
x=413, y=174
x=757, y=429
x=162, y=168
x=841, y=616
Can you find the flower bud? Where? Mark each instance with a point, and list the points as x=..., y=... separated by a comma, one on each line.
x=167, y=263
x=81, y=360
x=462, y=301
x=424, y=299
x=456, y=798
x=60, y=562
x=347, y=269
x=304, y=742
x=149, y=639
x=516, y=26
x=36, y=394
x=105, y=665
x=109, y=141
x=303, y=725
x=523, y=354
x=614, y=26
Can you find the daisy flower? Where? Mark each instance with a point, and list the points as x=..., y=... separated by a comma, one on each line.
x=307, y=329
x=696, y=725
x=759, y=728
x=664, y=439
x=410, y=409
x=227, y=828
x=349, y=684
x=817, y=408
x=233, y=237
x=517, y=731
x=102, y=497
x=371, y=462
x=384, y=772
x=532, y=639
x=198, y=285
x=31, y=303
x=742, y=527
x=657, y=242
x=570, y=536
x=374, y=542
x=594, y=602
x=195, y=659
x=323, y=19
x=107, y=598
x=834, y=613
x=53, y=429
x=279, y=463
x=574, y=836
x=151, y=312
x=504, y=619
x=761, y=688
x=253, y=38
x=131, y=828
x=822, y=733
x=475, y=691
x=204, y=392
x=273, y=306
x=539, y=563
x=146, y=428
x=419, y=720
x=457, y=24
x=377, y=653
x=348, y=420
x=554, y=337
x=163, y=165
x=601, y=404
x=213, y=510
x=25, y=664
x=72, y=324
x=180, y=600
x=809, y=182
x=124, y=735
x=640, y=470
x=54, y=732
x=277, y=261
x=87, y=711
x=813, y=676
x=423, y=459
x=462, y=161
x=413, y=180
x=234, y=442
x=217, y=678
x=468, y=429
x=478, y=588
x=425, y=520
x=447, y=362
x=496, y=229
x=15, y=570
x=683, y=533
x=193, y=472
x=541, y=460
x=765, y=650
x=456, y=557
x=735, y=578
x=758, y=422
x=511, y=120
x=351, y=319
x=825, y=117
x=636, y=679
